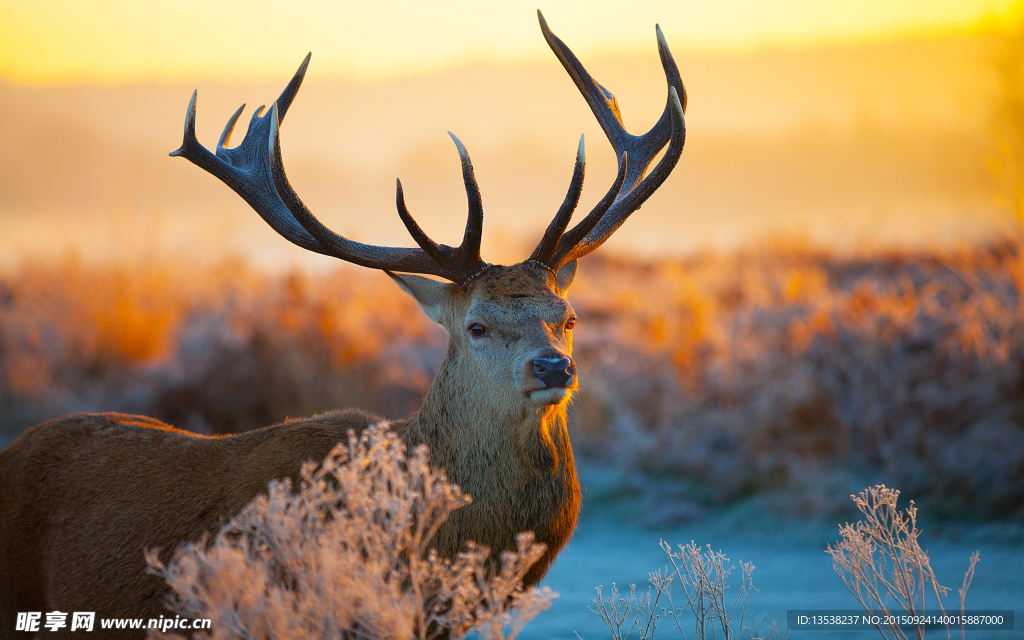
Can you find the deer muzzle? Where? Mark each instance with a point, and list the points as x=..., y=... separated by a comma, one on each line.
x=553, y=372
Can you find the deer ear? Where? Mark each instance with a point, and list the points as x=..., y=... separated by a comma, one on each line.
x=565, y=275
x=430, y=294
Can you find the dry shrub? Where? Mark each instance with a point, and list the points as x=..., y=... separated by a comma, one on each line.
x=883, y=565
x=347, y=555
x=702, y=575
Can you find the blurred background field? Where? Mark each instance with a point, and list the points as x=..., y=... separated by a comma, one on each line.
x=786, y=373
x=825, y=295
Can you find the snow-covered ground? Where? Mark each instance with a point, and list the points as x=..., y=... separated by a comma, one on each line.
x=792, y=571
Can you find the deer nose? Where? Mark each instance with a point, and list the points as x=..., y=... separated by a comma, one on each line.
x=553, y=372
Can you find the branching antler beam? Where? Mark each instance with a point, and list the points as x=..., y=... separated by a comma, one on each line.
x=634, y=153
x=255, y=170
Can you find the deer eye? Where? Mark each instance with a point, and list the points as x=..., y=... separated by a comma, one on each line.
x=477, y=330
x=570, y=324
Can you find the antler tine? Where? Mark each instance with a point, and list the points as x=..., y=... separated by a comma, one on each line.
x=616, y=206
x=389, y=258
x=628, y=202
x=225, y=135
x=668, y=64
x=284, y=101
x=546, y=249
x=414, y=229
x=572, y=240
x=256, y=132
x=601, y=101
x=470, y=246
x=254, y=169
x=232, y=168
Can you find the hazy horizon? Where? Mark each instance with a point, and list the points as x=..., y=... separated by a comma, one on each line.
x=881, y=143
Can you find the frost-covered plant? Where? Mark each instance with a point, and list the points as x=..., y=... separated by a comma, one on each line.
x=640, y=611
x=880, y=560
x=348, y=555
x=702, y=575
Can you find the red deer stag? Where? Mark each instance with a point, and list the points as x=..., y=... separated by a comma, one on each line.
x=82, y=496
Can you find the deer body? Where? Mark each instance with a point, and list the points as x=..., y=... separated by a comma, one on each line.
x=107, y=485
x=82, y=497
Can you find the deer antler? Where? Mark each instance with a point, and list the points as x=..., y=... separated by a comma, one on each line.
x=255, y=171
x=634, y=154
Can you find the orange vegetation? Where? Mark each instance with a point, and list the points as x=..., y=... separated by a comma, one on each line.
x=781, y=369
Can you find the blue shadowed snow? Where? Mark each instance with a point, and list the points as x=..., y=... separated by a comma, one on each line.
x=614, y=544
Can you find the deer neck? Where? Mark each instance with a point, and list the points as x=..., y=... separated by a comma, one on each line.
x=471, y=429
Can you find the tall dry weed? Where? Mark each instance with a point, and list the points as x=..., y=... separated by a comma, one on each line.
x=881, y=562
x=348, y=555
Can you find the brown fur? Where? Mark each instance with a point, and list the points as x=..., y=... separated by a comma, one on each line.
x=82, y=496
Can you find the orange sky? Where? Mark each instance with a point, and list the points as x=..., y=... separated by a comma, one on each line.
x=127, y=40
x=848, y=133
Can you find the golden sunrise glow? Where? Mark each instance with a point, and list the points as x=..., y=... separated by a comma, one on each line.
x=126, y=40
